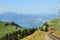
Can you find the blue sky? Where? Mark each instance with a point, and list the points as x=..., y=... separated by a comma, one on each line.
x=29, y=6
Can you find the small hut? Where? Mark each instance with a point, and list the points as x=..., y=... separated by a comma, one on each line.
x=52, y=29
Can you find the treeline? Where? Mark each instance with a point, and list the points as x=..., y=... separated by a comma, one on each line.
x=12, y=23
x=18, y=34
x=44, y=27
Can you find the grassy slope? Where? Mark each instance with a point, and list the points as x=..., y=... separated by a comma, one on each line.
x=5, y=29
x=54, y=23
x=38, y=35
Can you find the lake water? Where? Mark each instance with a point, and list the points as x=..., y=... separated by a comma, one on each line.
x=28, y=21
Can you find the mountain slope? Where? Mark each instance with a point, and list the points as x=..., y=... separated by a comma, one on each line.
x=6, y=27
x=54, y=23
x=39, y=35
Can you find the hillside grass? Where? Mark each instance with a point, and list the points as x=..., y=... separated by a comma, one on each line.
x=5, y=29
x=38, y=35
x=57, y=33
x=54, y=23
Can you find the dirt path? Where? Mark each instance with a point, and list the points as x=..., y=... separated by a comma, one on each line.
x=50, y=36
x=46, y=37
x=55, y=37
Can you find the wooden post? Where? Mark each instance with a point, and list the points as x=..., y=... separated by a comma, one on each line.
x=59, y=19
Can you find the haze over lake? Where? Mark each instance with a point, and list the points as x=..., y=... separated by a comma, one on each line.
x=28, y=20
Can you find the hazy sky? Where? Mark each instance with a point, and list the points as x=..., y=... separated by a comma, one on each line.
x=28, y=6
